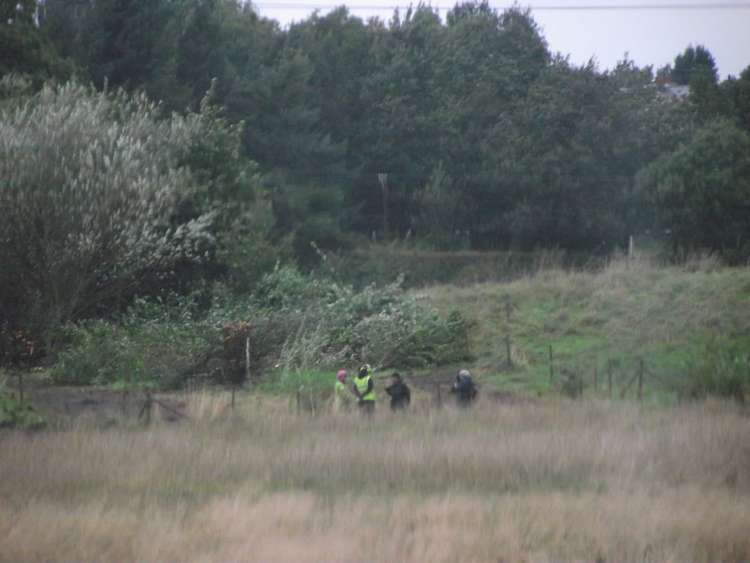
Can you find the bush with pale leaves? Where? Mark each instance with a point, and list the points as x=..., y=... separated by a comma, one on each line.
x=91, y=185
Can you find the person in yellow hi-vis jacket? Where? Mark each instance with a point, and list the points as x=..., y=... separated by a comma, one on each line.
x=364, y=389
x=343, y=399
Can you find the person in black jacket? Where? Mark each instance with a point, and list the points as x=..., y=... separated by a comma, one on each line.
x=399, y=392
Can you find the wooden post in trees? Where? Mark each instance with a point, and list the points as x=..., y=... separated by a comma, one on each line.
x=609, y=378
x=146, y=409
x=299, y=399
x=551, y=365
x=631, y=251
x=247, y=358
x=383, y=179
x=640, y=379
x=20, y=388
x=235, y=383
x=508, y=308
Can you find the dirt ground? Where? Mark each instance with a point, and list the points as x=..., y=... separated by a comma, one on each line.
x=101, y=406
x=107, y=407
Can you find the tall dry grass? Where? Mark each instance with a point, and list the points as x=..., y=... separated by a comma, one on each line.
x=526, y=482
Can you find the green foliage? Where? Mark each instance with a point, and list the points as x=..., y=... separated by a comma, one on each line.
x=91, y=185
x=691, y=63
x=14, y=414
x=382, y=326
x=24, y=49
x=105, y=197
x=294, y=323
x=717, y=369
x=489, y=141
x=154, y=346
x=702, y=191
x=419, y=267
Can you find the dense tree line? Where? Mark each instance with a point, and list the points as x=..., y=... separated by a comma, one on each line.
x=146, y=147
x=488, y=139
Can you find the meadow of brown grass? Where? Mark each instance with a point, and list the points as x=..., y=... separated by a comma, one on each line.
x=541, y=481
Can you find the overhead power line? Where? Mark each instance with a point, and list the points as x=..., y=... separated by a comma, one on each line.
x=704, y=6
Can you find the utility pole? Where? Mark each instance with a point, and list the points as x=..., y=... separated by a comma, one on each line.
x=383, y=179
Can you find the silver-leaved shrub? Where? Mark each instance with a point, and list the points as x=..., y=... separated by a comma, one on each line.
x=90, y=185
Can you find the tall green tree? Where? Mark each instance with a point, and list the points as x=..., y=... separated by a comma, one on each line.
x=402, y=127
x=496, y=57
x=737, y=94
x=702, y=190
x=694, y=61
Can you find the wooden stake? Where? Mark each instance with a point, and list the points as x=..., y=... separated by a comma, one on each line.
x=247, y=361
x=640, y=379
x=508, y=307
x=20, y=387
x=551, y=365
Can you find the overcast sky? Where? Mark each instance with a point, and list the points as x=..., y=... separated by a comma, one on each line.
x=652, y=32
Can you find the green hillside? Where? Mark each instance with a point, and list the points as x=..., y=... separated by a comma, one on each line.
x=679, y=321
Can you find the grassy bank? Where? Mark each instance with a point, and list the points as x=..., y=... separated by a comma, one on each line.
x=566, y=480
x=605, y=321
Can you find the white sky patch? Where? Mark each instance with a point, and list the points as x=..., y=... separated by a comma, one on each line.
x=652, y=32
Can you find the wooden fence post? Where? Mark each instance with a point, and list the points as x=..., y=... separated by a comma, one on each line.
x=640, y=379
x=247, y=358
x=508, y=307
x=551, y=365
x=20, y=387
x=146, y=409
x=609, y=377
x=439, y=395
x=596, y=378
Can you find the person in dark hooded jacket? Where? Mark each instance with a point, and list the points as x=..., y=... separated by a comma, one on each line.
x=399, y=392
